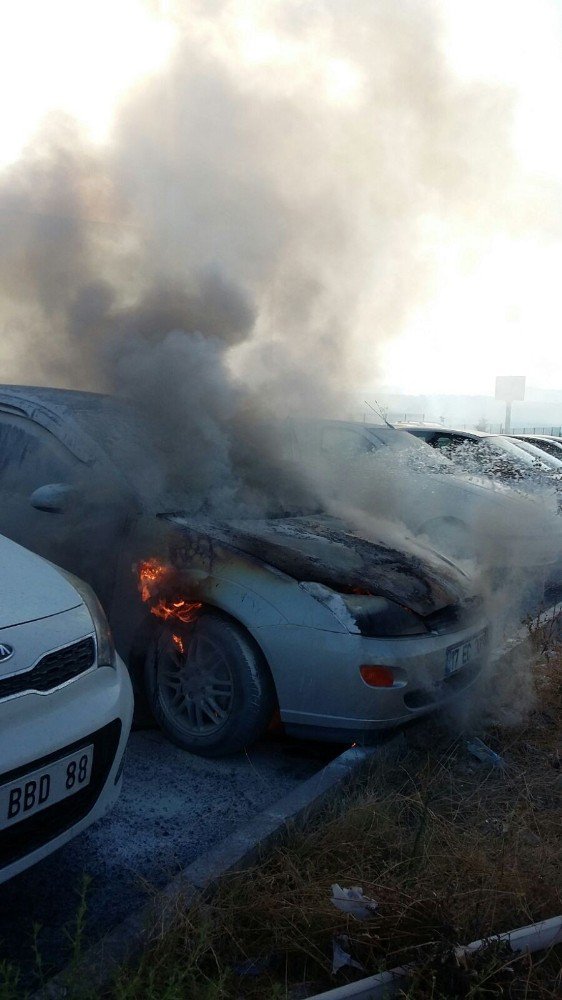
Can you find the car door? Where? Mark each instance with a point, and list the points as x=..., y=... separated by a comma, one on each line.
x=71, y=511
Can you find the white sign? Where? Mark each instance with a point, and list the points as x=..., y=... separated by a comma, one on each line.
x=510, y=388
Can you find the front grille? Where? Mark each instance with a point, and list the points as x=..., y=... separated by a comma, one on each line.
x=52, y=670
x=38, y=830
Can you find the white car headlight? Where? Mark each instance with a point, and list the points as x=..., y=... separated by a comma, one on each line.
x=367, y=614
x=104, y=638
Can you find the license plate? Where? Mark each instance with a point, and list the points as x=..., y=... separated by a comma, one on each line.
x=45, y=787
x=464, y=652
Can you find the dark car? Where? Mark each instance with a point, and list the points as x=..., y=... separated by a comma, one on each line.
x=222, y=621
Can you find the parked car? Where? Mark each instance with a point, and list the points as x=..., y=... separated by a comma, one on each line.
x=495, y=455
x=222, y=622
x=551, y=445
x=462, y=515
x=65, y=709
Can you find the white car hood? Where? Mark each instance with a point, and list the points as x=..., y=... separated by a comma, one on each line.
x=30, y=588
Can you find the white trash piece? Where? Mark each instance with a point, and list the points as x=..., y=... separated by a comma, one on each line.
x=341, y=957
x=353, y=901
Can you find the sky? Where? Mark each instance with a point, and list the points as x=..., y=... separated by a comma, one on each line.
x=495, y=305
x=503, y=313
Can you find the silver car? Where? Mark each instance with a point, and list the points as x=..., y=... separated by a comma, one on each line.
x=343, y=631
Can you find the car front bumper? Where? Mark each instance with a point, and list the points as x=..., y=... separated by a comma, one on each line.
x=39, y=728
x=322, y=694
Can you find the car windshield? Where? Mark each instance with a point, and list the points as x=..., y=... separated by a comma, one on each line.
x=536, y=449
x=409, y=451
x=524, y=453
x=545, y=445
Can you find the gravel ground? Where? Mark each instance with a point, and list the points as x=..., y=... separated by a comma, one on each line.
x=173, y=807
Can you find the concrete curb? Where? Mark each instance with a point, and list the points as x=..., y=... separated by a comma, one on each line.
x=237, y=851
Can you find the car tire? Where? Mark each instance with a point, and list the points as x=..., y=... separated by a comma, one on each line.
x=208, y=685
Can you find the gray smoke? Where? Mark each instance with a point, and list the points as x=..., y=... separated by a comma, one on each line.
x=309, y=207
x=254, y=230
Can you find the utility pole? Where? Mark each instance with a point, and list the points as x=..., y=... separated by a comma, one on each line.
x=509, y=388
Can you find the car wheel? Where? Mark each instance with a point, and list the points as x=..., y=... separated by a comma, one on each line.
x=208, y=686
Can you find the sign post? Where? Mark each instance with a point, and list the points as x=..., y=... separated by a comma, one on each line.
x=510, y=389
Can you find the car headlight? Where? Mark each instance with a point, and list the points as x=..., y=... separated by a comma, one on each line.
x=104, y=638
x=375, y=617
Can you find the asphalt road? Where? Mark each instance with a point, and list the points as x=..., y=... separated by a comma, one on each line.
x=173, y=807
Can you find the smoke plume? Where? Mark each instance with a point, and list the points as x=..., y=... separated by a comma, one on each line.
x=261, y=219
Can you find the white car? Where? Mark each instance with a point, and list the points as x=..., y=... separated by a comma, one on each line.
x=65, y=709
x=462, y=515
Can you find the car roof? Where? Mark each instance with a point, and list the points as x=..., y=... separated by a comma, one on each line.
x=353, y=424
x=443, y=430
x=52, y=398
x=537, y=437
x=63, y=412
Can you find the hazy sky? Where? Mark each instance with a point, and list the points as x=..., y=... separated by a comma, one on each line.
x=503, y=312
x=495, y=304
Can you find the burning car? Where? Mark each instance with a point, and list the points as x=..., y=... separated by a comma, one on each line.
x=224, y=621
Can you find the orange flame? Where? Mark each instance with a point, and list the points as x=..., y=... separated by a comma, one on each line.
x=154, y=577
x=178, y=643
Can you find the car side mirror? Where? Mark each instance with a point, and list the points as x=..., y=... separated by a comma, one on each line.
x=54, y=497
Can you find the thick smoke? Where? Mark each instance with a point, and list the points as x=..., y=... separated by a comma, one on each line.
x=267, y=213
x=261, y=220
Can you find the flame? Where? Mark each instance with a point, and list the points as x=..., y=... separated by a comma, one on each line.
x=184, y=611
x=178, y=643
x=154, y=577
x=151, y=575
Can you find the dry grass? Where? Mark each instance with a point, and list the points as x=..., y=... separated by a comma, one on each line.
x=451, y=849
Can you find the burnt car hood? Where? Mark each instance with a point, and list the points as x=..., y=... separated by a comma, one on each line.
x=324, y=549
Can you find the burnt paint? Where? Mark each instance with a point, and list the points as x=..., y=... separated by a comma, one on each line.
x=341, y=559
